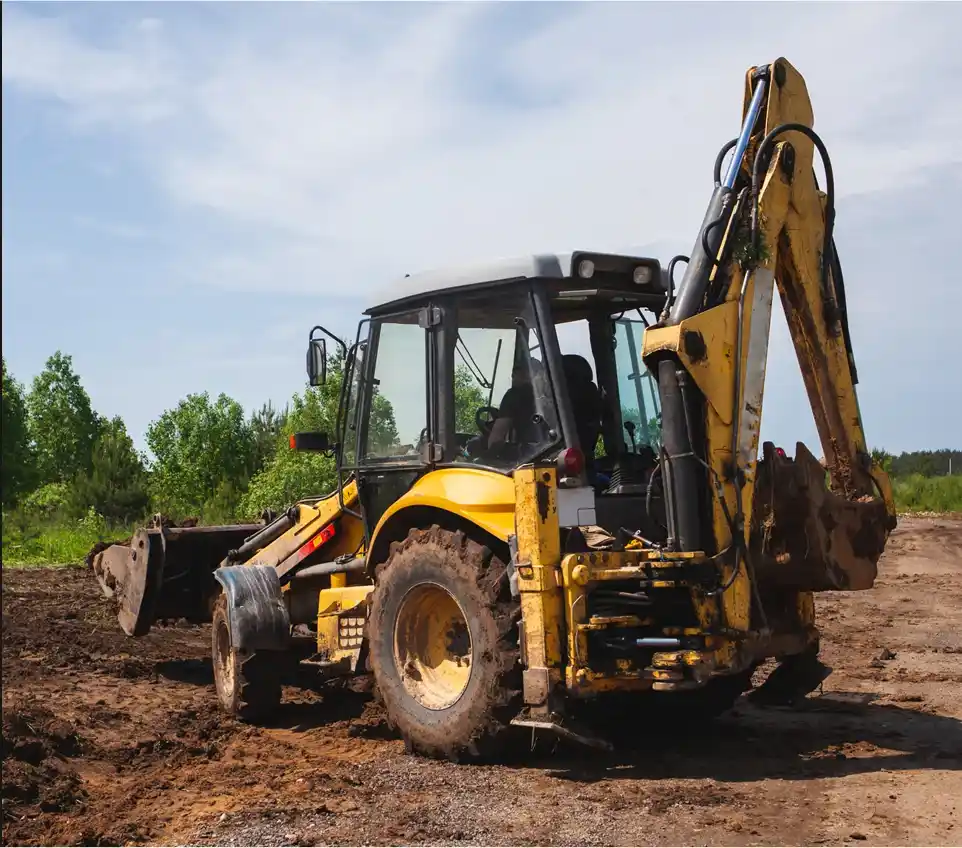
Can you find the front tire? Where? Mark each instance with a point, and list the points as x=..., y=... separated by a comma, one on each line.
x=248, y=684
x=443, y=637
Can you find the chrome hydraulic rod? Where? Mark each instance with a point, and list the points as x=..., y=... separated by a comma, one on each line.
x=682, y=469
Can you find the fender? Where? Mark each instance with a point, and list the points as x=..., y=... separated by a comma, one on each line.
x=258, y=617
x=483, y=497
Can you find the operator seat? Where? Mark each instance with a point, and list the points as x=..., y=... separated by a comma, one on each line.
x=586, y=402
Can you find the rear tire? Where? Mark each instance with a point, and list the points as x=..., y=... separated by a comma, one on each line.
x=443, y=637
x=248, y=683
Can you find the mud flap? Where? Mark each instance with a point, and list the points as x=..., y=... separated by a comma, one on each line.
x=258, y=615
x=805, y=538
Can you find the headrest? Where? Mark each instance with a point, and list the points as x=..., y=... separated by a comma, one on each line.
x=577, y=368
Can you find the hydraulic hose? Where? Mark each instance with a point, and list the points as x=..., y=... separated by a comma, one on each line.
x=834, y=296
x=649, y=493
x=828, y=241
x=721, y=158
x=669, y=299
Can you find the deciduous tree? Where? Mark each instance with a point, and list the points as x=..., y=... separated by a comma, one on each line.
x=116, y=485
x=16, y=462
x=199, y=446
x=61, y=423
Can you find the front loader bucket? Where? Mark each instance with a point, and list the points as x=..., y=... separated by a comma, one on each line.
x=164, y=572
x=806, y=538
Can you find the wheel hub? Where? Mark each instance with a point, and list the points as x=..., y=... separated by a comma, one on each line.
x=432, y=646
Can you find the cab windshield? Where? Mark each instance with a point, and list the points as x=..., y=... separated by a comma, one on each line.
x=503, y=407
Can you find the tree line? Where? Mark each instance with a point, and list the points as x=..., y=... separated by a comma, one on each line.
x=210, y=460
x=927, y=463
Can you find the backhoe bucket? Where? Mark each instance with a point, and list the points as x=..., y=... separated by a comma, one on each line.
x=806, y=538
x=164, y=572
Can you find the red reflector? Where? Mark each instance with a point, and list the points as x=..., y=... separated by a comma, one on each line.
x=324, y=536
x=574, y=461
x=780, y=452
x=292, y=442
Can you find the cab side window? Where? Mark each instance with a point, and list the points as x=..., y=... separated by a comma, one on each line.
x=397, y=419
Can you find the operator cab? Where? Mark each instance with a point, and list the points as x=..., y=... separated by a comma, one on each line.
x=500, y=365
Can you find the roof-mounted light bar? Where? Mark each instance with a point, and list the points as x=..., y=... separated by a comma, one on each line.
x=609, y=268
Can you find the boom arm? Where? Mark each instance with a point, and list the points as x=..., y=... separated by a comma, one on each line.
x=768, y=225
x=793, y=244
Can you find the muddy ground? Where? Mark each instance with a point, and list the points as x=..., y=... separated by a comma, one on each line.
x=109, y=740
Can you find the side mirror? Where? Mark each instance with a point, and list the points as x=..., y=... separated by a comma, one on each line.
x=317, y=362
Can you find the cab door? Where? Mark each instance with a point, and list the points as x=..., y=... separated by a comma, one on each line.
x=395, y=423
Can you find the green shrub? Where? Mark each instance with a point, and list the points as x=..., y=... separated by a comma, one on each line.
x=916, y=493
x=29, y=541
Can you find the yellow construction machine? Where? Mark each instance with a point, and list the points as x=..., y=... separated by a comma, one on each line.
x=607, y=532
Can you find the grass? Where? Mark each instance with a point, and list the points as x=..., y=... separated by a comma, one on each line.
x=916, y=493
x=54, y=543
x=59, y=542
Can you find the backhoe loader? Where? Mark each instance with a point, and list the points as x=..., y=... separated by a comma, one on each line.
x=520, y=532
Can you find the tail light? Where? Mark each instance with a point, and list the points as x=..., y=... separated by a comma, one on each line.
x=573, y=462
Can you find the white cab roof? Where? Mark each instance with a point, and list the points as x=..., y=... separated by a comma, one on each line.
x=439, y=279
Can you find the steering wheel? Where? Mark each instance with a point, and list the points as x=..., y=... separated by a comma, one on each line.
x=484, y=424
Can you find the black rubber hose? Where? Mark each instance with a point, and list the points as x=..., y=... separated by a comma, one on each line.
x=763, y=149
x=671, y=282
x=843, y=309
x=720, y=158
x=839, y=281
x=704, y=239
x=831, y=265
x=691, y=293
x=649, y=491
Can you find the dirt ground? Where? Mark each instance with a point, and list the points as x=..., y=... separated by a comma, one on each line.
x=110, y=740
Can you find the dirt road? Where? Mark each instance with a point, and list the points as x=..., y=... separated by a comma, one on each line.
x=109, y=740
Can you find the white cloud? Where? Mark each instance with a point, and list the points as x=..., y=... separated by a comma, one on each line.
x=339, y=146
x=130, y=81
x=304, y=139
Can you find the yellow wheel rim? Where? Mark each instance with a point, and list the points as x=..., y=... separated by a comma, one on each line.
x=224, y=660
x=432, y=646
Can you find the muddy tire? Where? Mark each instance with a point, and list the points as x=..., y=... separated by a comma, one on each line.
x=443, y=637
x=248, y=684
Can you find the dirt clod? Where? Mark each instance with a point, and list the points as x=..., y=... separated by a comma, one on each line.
x=36, y=776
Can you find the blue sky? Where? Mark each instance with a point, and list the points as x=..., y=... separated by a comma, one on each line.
x=188, y=187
